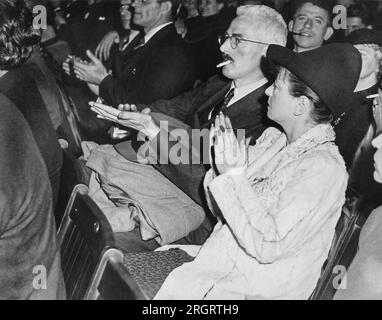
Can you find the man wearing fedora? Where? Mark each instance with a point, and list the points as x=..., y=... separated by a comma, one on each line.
x=311, y=25
x=175, y=188
x=355, y=131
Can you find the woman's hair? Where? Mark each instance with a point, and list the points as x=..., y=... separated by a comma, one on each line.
x=17, y=35
x=320, y=112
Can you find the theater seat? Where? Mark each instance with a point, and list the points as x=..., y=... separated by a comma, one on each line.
x=84, y=237
x=71, y=175
x=344, y=245
x=134, y=276
x=112, y=281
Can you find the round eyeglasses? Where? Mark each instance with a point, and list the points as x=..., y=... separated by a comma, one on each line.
x=234, y=40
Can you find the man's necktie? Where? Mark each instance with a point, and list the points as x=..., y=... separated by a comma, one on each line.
x=138, y=41
x=124, y=41
x=220, y=107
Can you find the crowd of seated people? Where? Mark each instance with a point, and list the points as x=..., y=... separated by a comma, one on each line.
x=229, y=130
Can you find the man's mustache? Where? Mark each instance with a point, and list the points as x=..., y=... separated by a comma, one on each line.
x=226, y=57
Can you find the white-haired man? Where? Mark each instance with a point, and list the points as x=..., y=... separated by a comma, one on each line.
x=169, y=195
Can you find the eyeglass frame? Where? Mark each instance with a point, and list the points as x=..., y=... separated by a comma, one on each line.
x=223, y=38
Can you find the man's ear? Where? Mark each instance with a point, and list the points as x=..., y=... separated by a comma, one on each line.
x=290, y=25
x=166, y=7
x=220, y=6
x=329, y=32
x=302, y=106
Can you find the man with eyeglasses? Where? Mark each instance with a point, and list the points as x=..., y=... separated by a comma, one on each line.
x=311, y=24
x=169, y=193
x=156, y=66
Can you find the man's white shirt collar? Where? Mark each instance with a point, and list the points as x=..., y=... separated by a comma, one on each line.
x=133, y=34
x=245, y=90
x=152, y=32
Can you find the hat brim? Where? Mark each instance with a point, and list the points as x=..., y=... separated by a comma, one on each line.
x=331, y=71
x=295, y=62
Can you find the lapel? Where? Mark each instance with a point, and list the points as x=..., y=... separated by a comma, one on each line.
x=209, y=105
x=163, y=35
x=158, y=38
x=248, y=102
x=242, y=110
x=136, y=56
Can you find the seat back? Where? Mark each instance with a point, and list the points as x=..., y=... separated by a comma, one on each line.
x=135, y=275
x=70, y=120
x=84, y=235
x=344, y=245
x=71, y=175
x=69, y=126
x=112, y=281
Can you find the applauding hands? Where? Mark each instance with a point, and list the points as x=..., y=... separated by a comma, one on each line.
x=230, y=153
x=92, y=72
x=128, y=116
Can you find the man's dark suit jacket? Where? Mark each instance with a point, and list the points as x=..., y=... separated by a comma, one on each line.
x=22, y=90
x=161, y=69
x=248, y=113
x=27, y=228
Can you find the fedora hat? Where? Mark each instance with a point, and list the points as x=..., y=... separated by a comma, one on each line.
x=331, y=71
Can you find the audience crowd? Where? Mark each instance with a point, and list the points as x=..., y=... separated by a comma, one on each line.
x=229, y=130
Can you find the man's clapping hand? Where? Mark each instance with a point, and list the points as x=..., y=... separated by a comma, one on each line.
x=127, y=115
x=92, y=72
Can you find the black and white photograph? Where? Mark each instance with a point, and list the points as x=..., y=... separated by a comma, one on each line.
x=190, y=154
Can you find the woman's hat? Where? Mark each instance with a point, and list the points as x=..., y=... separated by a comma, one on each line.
x=331, y=71
x=365, y=36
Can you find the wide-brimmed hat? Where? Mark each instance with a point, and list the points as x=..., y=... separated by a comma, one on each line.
x=365, y=36
x=331, y=71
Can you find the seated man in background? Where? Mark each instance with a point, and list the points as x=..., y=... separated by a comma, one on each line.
x=355, y=130
x=28, y=245
x=312, y=24
x=352, y=128
x=192, y=17
x=116, y=48
x=203, y=36
x=160, y=67
x=170, y=193
x=83, y=24
x=364, y=277
x=358, y=17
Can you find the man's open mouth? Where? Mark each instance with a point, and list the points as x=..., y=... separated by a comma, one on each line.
x=305, y=34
